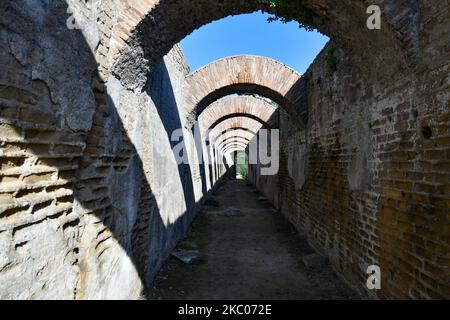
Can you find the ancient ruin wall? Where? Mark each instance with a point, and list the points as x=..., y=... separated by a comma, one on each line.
x=368, y=181
x=82, y=208
x=92, y=199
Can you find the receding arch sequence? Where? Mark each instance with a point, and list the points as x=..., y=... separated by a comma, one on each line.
x=233, y=123
x=253, y=107
x=148, y=30
x=234, y=143
x=224, y=144
x=245, y=74
x=231, y=149
x=233, y=138
x=235, y=132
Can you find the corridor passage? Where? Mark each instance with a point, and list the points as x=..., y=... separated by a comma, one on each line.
x=247, y=250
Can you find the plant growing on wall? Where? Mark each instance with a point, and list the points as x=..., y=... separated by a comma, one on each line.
x=293, y=10
x=331, y=60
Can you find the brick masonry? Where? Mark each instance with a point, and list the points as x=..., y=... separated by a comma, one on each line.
x=367, y=181
x=255, y=107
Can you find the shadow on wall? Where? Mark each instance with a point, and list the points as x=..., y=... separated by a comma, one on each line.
x=78, y=215
x=161, y=92
x=160, y=89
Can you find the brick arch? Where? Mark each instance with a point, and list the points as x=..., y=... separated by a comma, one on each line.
x=229, y=152
x=231, y=130
x=230, y=147
x=245, y=74
x=236, y=137
x=232, y=123
x=221, y=145
x=234, y=143
x=251, y=106
x=242, y=115
x=146, y=30
x=233, y=149
x=231, y=116
x=235, y=132
x=240, y=134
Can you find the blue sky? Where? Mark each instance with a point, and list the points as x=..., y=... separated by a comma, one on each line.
x=252, y=34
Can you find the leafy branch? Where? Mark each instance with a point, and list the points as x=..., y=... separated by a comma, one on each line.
x=293, y=10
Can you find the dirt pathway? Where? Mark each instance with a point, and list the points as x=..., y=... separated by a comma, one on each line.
x=249, y=251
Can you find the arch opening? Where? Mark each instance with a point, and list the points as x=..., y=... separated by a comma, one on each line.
x=141, y=47
x=246, y=74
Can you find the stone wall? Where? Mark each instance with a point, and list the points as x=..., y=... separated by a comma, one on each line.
x=92, y=199
x=44, y=120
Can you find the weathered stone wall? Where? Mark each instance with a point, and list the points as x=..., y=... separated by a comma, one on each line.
x=153, y=197
x=47, y=106
x=92, y=199
x=368, y=180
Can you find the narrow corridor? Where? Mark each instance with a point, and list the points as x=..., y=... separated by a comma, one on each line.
x=246, y=251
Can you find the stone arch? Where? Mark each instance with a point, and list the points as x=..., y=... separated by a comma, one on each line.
x=234, y=143
x=232, y=116
x=147, y=30
x=245, y=74
x=245, y=134
x=230, y=152
x=232, y=123
x=230, y=130
x=238, y=139
x=234, y=148
x=251, y=106
x=233, y=138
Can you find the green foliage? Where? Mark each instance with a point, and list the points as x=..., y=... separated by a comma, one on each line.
x=293, y=10
x=242, y=165
x=331, y=60
x=308, y=75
